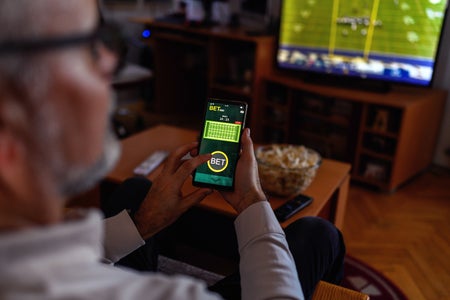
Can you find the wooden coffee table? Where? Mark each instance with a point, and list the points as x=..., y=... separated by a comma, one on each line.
x=329, y=188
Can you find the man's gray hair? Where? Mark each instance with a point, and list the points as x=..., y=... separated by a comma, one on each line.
x=22, y=76
x=25, y=19
x=21, y=20
x=25, y=110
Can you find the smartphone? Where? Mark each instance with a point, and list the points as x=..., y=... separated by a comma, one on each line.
x=223, y=124
x=292, y=206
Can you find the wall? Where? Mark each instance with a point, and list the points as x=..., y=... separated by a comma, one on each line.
x=123, y=12
x=137, y=9
x=442, y=80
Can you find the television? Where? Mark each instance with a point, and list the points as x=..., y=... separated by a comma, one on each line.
x=378, y=41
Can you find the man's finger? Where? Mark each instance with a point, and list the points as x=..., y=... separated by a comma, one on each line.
x=190, y=165
x=247, y=143
x=174, y=159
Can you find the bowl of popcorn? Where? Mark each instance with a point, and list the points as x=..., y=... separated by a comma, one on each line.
x=286, y=169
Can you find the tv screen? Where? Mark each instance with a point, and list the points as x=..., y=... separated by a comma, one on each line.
x=387, y=40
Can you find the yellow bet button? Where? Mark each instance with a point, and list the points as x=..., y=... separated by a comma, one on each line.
x=218, y=162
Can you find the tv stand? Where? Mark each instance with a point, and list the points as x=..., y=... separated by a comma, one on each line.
x=349, y=83
x=388, y=137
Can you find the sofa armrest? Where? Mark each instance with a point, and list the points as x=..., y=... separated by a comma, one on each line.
x=328, y=291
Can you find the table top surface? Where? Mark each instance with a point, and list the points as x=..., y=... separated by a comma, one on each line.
x=135, y=149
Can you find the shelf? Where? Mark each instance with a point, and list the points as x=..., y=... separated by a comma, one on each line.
x=232, y=89
x=329, y=145
x=328, y=119
x=275, y=116
x=379, y=144
x=311, y=135
x=272, y=134
x=383, y=120
x=281, y=106
x=381, y=133
x=274, y=125
x=377, y=155
x=276, y=94
x=180, y=39
x=378, y=183
x=373, y=168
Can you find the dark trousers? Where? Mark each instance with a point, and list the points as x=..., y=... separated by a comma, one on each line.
x=316, y=245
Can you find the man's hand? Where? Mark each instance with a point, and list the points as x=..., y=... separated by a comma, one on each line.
x=247, y=189
x=165, y=203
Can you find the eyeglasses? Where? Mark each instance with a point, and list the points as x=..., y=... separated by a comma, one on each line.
x=107, y=34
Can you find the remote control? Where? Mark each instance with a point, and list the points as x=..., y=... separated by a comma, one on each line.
x=294, y=205
x=151, y=163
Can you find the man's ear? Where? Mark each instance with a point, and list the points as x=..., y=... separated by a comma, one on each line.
x=12, y=121
x=11, y=150
x=13, y=168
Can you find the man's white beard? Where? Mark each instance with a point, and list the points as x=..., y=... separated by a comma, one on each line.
x=76, y=180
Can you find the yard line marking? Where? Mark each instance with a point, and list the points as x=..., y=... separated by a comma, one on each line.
x=370, y=31
x=333, y=28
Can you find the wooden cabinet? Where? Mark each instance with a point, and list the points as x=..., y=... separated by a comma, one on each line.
x=193, y=63
x=387, y=137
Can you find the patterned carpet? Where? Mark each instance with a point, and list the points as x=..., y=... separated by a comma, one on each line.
x=170, y=266
x=358, y=276
x=361, y=277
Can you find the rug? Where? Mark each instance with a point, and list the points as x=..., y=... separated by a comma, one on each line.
x=170, y=266
x=358, y=276
x=361, y=277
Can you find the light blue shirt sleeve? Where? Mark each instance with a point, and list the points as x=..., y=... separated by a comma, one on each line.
x=267, y=267
x=121, y=237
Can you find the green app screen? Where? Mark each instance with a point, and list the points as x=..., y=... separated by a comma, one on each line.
x=221, y=137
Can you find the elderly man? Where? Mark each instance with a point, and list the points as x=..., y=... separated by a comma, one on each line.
x=55, y=141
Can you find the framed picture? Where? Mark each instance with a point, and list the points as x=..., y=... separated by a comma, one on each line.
x=381, y=120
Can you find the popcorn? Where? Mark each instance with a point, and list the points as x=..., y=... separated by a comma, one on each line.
x=285, y=169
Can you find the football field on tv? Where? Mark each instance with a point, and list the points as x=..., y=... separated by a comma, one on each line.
x=406, y=28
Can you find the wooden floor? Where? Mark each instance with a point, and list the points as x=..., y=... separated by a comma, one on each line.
x=405, y=235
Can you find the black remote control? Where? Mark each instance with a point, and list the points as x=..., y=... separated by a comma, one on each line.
x=294, y=205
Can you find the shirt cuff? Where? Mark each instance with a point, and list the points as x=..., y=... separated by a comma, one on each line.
x=121, y=237
x=254, y=221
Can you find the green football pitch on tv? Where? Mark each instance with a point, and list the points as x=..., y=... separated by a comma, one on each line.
x=409, y=28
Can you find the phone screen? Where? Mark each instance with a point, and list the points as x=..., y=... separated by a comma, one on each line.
x=221, y=136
